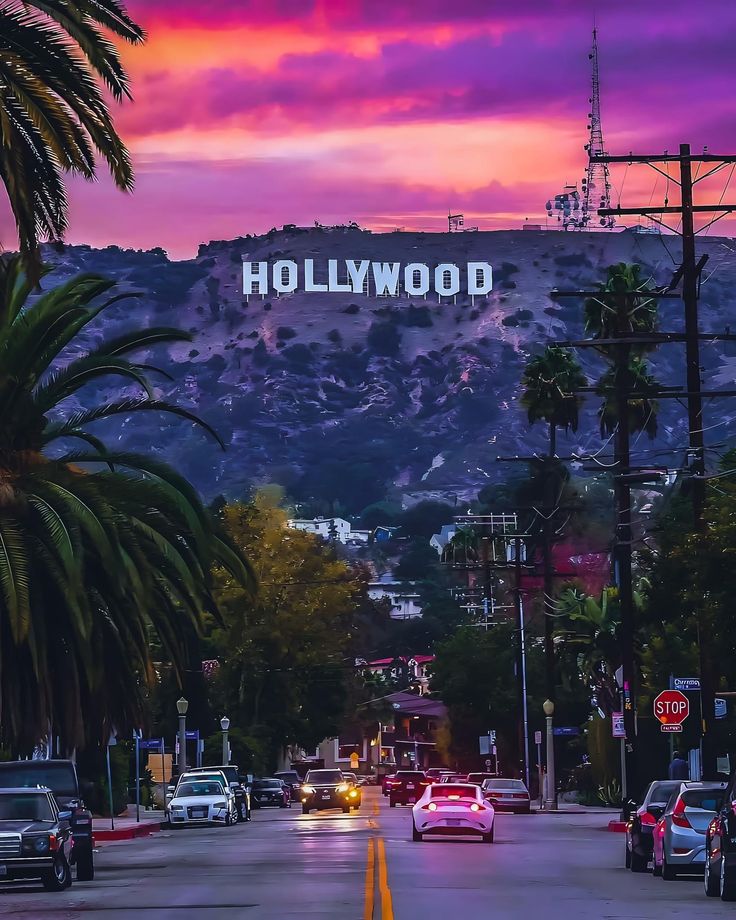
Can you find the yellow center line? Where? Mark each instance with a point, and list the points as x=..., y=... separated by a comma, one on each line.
x=387, y=909
x=370, y=880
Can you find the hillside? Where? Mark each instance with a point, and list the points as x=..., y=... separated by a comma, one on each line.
x=342, y=397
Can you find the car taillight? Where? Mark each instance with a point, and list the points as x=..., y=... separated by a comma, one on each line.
x=648, y=819
x=53, y=842
x=431, y=807
x=475, y=807
x=679, y=817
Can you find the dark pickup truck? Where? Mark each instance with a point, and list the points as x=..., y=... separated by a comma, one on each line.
x=60, y=776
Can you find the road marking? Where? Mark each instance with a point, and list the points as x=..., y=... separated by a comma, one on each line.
x=375, y=810
x=370, y=880
x=387, y=909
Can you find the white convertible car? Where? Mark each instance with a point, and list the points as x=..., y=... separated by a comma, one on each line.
x=200, y=802
x=456, y=809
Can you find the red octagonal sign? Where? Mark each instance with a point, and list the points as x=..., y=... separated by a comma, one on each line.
x=671, y=707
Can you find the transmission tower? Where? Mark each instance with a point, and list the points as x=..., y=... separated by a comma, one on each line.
x=596, y=182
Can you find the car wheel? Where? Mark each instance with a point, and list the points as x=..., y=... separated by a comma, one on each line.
x=392, y=803
x=710, y=881
x=669, y=873
x=228, y=820
x=59, y=877
x=415, y=835
x=488, y=838
x=346, y=809
x=627, y=860
x=656, y=870
x=638, y=863
x=85, y=866
x=305, y=810
x=728, y=882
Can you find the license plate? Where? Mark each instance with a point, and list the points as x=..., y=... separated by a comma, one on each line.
x=452, y=823
x=326, y=797
x=3, y=870
x=409, y=785
x=200, y=813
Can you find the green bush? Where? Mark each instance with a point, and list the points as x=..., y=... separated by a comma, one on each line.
x=285, y=333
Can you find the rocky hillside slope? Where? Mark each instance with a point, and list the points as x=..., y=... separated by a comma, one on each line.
x=346, y=398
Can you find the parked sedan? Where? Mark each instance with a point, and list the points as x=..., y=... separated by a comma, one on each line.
x=679, y=835
x=640, y=826
x=208, y=774
x=453, y=809
x=201, y=801
x=270, y=791
x=720, y=848
x=238, y=786
x=507, y=795
x=35, y=838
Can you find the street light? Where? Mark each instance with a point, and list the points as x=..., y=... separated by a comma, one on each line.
x=182, y=706
x=550, y=802
x=225, y=725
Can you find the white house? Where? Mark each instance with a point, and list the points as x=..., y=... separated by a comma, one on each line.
x=327, y=528
x=404, y=603
x=439, y=541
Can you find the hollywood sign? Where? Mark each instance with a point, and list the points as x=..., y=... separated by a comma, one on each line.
x=285, y=276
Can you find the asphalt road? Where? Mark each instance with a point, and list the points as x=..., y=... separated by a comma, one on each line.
x=364, y=866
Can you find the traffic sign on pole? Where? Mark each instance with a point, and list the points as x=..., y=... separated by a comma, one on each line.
x=671, y=707
x=670, y=727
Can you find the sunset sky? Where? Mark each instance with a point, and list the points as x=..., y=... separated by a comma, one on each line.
x=255, y=113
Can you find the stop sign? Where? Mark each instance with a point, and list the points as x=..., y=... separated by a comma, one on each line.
x=671, y=707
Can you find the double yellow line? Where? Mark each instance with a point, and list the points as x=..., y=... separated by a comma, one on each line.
x=377, y=853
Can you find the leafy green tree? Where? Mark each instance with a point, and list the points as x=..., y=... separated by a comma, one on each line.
x=55, y=67
x=102, y=554
x=551, y=382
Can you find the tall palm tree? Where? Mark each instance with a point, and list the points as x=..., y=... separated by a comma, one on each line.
x=551, y=381
x=54, y=62
x=102, y=552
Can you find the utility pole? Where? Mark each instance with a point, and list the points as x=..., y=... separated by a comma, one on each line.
x=690, y=272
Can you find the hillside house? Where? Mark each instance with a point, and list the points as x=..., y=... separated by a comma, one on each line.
x=414, y=669
x=327, y=528
x=405, y=603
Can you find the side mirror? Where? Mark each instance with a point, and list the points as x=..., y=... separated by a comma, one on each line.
x=169, y=796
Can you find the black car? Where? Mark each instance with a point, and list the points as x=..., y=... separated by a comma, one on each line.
x=35, y=838
x=328, y=789
x=408, y=787
x=60, y=776
x=720, y=848
x=238, y=784
x=291, y=779
x=640, y=825
x=270, y=791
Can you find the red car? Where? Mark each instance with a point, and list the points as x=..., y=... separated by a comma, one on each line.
x=407, y=787
x=387, y=782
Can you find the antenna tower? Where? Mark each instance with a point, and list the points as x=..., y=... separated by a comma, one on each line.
x=596, y=182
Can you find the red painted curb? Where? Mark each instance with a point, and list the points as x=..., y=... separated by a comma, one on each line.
x=617, y=827
x=127, y=833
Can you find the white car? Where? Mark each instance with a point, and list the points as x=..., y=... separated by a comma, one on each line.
x=200, y=801
x=453, y=809
x=507, y=794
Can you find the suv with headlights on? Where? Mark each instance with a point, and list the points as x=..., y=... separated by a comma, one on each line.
x=35, y=838
x=328, y=789
x=60, y=776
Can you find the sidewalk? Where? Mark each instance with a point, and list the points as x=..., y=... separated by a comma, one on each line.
x=126, y=827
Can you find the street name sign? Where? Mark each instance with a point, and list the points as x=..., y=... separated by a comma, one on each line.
x=686, y=683
x=671, y=707
x=671, y=727
x=566, y=730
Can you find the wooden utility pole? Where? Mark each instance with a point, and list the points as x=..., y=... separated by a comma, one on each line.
x=690, y=272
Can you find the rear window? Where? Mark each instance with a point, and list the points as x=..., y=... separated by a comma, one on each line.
x=504, y=784
x=446, y=790
x=660, y=792
x=292, y=777
x=324, y=776
x=707, y=799
x=267, y=784
x=58, y=777
x=410, y=774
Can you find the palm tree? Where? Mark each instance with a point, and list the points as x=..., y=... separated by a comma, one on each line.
x=102, y=553
x=54, y=62
x=551, y=381
x=642, y=407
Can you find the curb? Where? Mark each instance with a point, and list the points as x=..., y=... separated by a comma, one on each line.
x=127, y=833
x=617, y=827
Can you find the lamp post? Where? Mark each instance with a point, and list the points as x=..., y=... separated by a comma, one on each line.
x=225, y=725
x=550, y=802
x=182, y=706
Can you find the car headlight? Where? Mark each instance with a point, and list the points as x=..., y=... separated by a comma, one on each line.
x=41, y=845
x=220, y=805
x=343, y=787
x=353, y=793
x=177, y=807
x=308, y=790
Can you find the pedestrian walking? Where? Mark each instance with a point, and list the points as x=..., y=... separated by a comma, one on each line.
x=679, y=768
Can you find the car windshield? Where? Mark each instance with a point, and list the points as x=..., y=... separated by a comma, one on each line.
x=58, y=777
x=515, y=784
x=199, y=788
x=267, y=784
x=324, y=776
x=707, y=799
x=450, y=790
x=660, y=792
x=24, y=807
x=290, y=777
